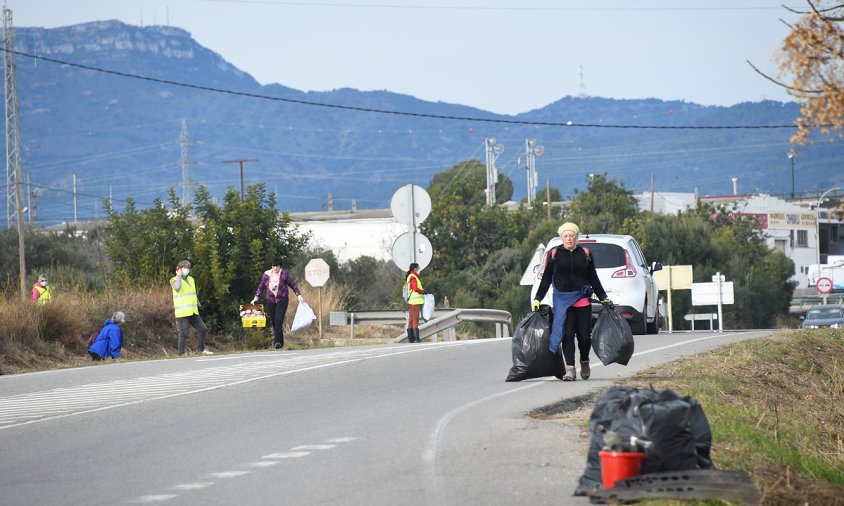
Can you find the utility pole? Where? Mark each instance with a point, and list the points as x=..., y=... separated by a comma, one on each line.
x=532, y=150
x=492, y=152
x=652, y=192
x=74, y=197
x=185, y=163
x=241, y=162
x=13, y=144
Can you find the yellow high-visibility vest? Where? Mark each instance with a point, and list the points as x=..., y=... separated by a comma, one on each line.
x=185, y=301
x=415, y=298
x=44, y=294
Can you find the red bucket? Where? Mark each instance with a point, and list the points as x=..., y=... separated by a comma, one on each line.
x=619, y=465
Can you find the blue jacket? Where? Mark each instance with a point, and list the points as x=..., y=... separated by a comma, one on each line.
x=109, y=341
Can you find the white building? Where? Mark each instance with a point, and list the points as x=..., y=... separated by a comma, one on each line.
x=352, y=234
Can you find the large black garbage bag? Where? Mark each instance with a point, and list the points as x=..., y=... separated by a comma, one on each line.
x=676, y=428
x=531, y=357
x=612, y=339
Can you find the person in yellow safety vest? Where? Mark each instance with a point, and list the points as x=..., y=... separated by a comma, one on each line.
x=186, y=304
x=415, y=301
x=40, y=291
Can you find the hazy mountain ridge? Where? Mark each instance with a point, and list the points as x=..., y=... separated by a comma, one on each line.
x=119, y=134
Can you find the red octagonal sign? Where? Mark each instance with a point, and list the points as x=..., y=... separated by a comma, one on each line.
x=824, y=285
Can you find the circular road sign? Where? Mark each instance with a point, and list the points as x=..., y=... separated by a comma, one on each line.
x=411, y=204
x=824, y=285
x=409, y=243
x=316, y=272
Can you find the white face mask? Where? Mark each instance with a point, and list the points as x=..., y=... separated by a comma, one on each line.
x=185, y=272
x=43, y=283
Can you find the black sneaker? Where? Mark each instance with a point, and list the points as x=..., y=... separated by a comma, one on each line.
x=277, y=346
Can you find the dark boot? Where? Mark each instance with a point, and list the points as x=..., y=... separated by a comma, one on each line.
x=416, y=336
x=409, y=335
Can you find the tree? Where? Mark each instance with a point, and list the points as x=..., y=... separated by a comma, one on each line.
x=604, y=206
x=813, y=54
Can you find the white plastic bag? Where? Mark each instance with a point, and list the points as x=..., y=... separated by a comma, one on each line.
x=304, y=316
x=428, y=307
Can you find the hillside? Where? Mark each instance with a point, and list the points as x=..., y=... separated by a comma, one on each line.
x=119, y=134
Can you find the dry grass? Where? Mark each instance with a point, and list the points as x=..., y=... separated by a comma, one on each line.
x=35, y=337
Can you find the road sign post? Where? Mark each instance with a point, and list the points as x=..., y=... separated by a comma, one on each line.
x=718, y=292
x=824, y=287
x=317, y=273
x=673, y=277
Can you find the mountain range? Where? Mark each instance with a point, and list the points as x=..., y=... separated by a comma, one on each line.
x=115, y=110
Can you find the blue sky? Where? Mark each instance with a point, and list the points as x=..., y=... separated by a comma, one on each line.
x=504, y=56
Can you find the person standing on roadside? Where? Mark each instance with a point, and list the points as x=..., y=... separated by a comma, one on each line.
x=41, y=290
x=415, y=300
x=186, y=304
x=275, y=281
x=571, y=270
x=110, y=339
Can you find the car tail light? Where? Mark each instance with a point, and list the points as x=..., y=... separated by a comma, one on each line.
x=625, y=314
x=629, y=270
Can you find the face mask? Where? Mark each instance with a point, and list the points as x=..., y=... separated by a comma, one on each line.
x=185, y=272
x=43, y=283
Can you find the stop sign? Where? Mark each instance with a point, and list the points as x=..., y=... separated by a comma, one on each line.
x=316, y=272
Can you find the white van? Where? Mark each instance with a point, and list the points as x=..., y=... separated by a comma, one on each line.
x=624, y=273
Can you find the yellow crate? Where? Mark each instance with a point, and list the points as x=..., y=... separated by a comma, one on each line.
x=253, y=321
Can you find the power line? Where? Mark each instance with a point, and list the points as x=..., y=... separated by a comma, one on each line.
x=400, y=113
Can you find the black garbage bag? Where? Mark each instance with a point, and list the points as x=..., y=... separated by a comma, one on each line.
x=675, y=430
x=531, y=357
x=612, y=339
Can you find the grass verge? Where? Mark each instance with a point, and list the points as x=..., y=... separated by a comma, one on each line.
x=776, y=410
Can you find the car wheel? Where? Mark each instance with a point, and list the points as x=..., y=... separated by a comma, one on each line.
x=638, y=325
x=653, y=327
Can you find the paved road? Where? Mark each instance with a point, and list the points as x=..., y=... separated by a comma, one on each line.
x=429, y=424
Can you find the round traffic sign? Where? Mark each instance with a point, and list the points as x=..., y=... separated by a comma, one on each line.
x=317, y=272
x=412, y=247
x=411, y=204
x=824, y=285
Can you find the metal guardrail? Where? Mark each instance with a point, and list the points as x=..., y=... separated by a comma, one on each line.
x=443, y=321
x=801, y=304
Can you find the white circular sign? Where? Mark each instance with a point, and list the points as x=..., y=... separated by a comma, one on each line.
x=824, y=285
x=317, y=272
x=411, y=204
x=412, y=247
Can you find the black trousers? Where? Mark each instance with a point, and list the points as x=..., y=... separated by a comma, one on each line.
x=276, y=312
x=578, y=324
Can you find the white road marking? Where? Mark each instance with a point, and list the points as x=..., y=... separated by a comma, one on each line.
x=314, y=447
x=229, y=474
x=286, y=455
x=154, y=498
x=340, y=440
x=193, y=486
x=263, y=463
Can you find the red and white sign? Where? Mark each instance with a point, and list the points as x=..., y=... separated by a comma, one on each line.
x=824, y=285
x=317, y=272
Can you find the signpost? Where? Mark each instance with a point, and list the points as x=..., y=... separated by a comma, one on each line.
x=824, y=287
x=410, y=205
x=718, y=292
x=317, y=273
x=673, y=277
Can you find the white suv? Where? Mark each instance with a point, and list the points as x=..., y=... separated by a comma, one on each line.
x=625, y=275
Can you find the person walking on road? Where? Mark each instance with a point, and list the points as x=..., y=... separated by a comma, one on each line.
x=415, y=300
x=186, y=304
x=110, y=339
x=571, y=271
x=41, y=290
x=275, y=281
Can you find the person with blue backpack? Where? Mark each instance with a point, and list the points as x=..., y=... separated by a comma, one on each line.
x=571, y=271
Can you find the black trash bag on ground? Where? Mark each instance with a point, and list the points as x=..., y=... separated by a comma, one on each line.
x=531, y=357
x=674, y=428
x=612, y=339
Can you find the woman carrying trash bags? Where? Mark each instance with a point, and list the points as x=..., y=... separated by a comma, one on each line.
x=570, y=269
x=275, y=282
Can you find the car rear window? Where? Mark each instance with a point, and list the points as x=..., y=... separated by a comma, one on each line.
x=605, y=255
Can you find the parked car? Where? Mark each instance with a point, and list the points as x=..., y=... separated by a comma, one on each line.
x=625, y=275
x=824, y=315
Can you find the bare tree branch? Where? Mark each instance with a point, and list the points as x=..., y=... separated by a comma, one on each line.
x=778, y=83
